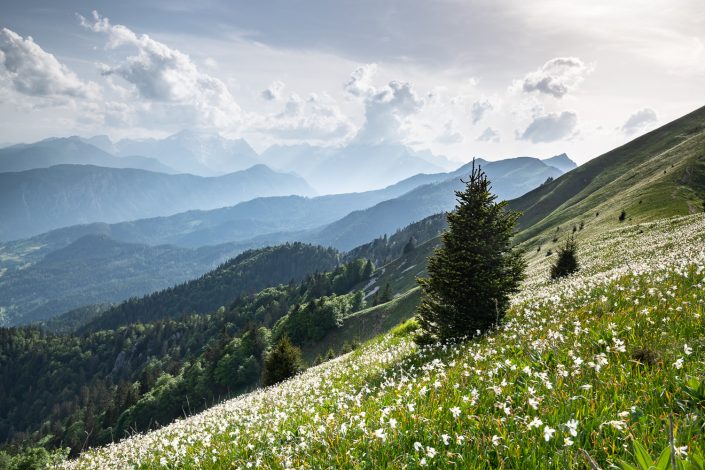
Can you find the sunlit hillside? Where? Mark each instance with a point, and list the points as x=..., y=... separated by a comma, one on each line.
x=588, y=368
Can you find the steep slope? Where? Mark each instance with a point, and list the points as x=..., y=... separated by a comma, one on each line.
x=34, y=201
x=542, y=391
x=70, y=150
x=659, y=174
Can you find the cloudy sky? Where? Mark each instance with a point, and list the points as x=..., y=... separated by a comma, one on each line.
x=488, y=78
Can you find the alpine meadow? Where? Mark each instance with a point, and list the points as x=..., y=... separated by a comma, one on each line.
x=356, y=235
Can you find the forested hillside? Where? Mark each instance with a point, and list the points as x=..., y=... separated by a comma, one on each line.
x=247, y=273
x=85, y=390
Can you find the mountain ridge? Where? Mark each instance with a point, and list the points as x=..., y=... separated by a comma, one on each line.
x=34, y=201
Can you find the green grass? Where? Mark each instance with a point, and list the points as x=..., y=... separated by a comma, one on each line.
x=366, y=324
x=614, y=350
x=660, y=174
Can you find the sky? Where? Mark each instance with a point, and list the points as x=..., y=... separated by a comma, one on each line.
x=485, y=78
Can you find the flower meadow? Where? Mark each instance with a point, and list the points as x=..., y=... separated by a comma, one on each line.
x=580, y=374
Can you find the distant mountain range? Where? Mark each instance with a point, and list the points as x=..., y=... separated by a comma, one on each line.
x=70, y=150
x=292, y=218
x=330, y=170
x=38, y=200
x=510, y=178
x=28, y=266
x=197, y=152
x=350, y=168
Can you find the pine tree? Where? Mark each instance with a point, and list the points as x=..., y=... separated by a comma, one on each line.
x=410, y=246
x=567, y=260
x=282, y=362
x=473, y=273
x=367, y=270
x=386, y=294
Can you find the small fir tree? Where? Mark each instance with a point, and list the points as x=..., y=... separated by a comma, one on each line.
x=282, y=362
x=567, y=260
x=367, y=270
x=473, y=273
x=410, y=246
x=386, y=294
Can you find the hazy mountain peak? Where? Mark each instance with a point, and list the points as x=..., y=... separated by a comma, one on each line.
x=201, y=152
x=562, y=162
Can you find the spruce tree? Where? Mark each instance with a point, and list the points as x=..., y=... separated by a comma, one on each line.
x=282, y=362
x=567, y=260
x=386, y=295
x=473, y=273
x=410, y=246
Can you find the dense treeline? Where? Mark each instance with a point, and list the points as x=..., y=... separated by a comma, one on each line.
x=385, y=249
x=249, y=272
x=84, y=390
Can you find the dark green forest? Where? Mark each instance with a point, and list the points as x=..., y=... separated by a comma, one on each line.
x=84, y=390
x=248, y=272
x=384, y=249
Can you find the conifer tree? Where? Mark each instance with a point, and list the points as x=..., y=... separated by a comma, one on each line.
x=386, y=295
x=282, y=362
x=567, y=260
x=473, y=273
x=410, y=246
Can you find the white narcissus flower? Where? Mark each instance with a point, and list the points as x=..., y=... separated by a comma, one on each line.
x=572, y=426
x=548, y=433
x=535, y=423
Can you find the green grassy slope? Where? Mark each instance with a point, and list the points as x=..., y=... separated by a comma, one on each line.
x=572, y=371
x=657, y=175
x=366, y=324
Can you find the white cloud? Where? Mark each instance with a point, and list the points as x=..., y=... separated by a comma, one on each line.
x=387, y=113
x=639, y=121
x=488, y=135
x=33, y=71
x=164, y=75
x=478, y=110
x=317, y=118
x=450, y=134
x=360, y=81
x=551, y=127
x=274, y=91
x=556, y=77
